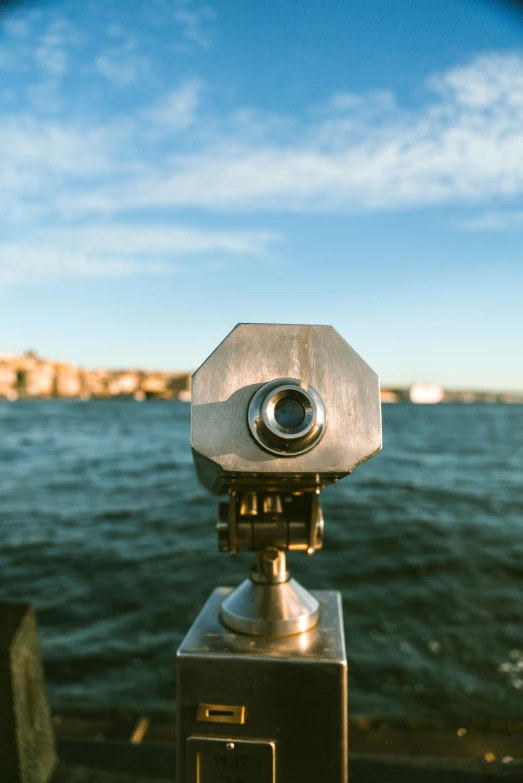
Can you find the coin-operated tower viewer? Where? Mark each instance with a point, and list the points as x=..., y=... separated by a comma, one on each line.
x=278, y=413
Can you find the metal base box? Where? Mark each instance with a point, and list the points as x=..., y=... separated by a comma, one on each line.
x=255, y=709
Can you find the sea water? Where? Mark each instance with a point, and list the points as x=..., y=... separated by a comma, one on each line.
x=106, y=530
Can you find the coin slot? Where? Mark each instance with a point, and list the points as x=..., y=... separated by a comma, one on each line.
x=220, y=713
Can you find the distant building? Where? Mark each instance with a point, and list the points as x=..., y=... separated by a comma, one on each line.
x=180, y=386
x=123, y=383
x=154, y=385
x=426, y=393
x=40, y=379
x=68, y=381
x=389, y=395
x=96, y=383
x=511, y=397
x=7, y=380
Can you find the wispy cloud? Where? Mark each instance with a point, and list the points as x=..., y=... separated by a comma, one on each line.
x=43, y=159
x=31, y=263
x=511, y=220
x=177, y=109
x=16, y=27
x=464, y=146
x=122, y=64
x=119, y=250
x=38, y=50
x=51, y=50
x=194, y=22
x=35, y=55
x=153, y=240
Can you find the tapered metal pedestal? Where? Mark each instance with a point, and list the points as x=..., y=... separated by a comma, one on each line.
x=270, y=609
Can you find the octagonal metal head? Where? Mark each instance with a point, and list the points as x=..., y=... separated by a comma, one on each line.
x=249, y=435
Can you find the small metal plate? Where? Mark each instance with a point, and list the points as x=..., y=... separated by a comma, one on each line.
x=219, y=760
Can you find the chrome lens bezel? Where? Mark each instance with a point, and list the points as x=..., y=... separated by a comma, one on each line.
x=284, y=441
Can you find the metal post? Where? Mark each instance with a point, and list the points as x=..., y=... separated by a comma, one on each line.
x=27, y=742
x=278, y=413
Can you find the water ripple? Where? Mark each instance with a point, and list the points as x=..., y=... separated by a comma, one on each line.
x=106, y=530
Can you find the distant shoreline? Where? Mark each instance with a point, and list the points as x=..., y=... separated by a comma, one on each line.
x=30, y=377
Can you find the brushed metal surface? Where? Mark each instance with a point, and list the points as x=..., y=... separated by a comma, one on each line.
x=209, y=636
x=270, y=609
x=254, y=354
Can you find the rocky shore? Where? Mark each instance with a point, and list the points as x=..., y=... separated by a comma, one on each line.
x=30, y=376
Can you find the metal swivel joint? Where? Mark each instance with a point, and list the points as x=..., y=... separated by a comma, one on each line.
x=251, y=521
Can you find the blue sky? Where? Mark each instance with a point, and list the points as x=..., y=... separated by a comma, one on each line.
x=168, y=169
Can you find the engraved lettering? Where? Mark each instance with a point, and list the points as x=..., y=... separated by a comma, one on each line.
x=230, y=763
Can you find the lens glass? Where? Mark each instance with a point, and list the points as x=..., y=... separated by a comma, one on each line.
x=289, y=413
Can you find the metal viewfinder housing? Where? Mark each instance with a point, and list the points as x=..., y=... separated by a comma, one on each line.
x=237, y=442
x=278, y=412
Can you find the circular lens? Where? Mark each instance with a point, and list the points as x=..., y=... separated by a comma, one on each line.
x=287, y=417
x=289, y=413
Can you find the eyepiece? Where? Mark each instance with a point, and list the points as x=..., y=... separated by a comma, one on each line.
x=287, y=417
x=289, y=413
